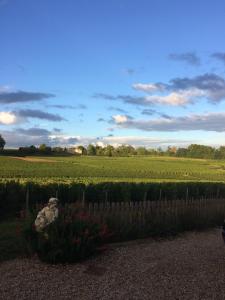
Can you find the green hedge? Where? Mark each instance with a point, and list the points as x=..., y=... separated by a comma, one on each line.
x=13, y=193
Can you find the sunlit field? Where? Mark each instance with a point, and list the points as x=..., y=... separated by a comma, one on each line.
x=113, y=168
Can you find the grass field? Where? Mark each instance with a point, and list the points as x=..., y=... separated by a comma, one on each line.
x=113, y=168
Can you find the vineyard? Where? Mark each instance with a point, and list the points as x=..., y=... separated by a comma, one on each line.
x=106, y=179
x=100, y=169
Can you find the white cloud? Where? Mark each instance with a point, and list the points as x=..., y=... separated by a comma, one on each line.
x=119, y=119
x=179, y=98
x=7, y=118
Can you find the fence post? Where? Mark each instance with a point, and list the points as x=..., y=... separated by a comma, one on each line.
x=27, y=200
x=145, y=196
x=106, y=196
x=83, y=198
x=187, y=194
x=218, y=193
x=160, y=194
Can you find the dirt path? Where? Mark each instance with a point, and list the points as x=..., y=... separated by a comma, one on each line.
x=34, y=159
x=190, y=267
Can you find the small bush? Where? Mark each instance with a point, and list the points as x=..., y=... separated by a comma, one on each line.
x=74, y=236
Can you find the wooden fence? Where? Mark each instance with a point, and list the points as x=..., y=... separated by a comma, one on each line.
x=143, y=218
x=172, y=207
x=159, y=217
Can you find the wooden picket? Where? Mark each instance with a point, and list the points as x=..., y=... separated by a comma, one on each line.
x=167, y=211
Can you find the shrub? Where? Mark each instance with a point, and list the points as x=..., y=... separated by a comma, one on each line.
x=74, y=236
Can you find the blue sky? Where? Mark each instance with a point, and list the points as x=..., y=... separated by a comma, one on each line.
x=140, y=72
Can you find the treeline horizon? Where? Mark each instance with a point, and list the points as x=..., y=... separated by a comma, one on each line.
x=192, y=151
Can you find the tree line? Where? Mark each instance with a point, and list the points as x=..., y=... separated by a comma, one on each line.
x=192, y=151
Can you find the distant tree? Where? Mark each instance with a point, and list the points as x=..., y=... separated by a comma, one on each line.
x=2, y=143
x=83, y=149
x=109, y=150
x=181, y=152
x=125, y=150
x=32, y=149
x=131, y=150
x=141, y=151
x=220, y=153
x=152, y=152
x=91, y=150
x=57, y=149
x=25, y=150
x=171, y=151
x=200, y=151
x=160, y=151
x=99, y=150
x=44, y=149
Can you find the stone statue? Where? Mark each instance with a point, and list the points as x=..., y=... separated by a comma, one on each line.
x=47, y=215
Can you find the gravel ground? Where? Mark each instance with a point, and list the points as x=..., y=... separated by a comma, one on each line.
x=188, y=267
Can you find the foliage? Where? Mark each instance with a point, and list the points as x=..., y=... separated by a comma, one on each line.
x=142, y=151
x=45, y=149
x=11, y=244
x=200, y=151
x=13, y=194
x=2, y=143
x=126, y=221
x=82, y=149
x=74, y=236
x=91, y=150
x=192, y=151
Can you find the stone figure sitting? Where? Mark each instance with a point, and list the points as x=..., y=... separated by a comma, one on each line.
x=47, y=215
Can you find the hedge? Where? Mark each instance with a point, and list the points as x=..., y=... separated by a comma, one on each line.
x=13, y=194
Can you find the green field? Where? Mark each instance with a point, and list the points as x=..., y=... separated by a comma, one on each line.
x=99, y=169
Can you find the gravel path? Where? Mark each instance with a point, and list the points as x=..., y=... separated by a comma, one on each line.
x=189, y=267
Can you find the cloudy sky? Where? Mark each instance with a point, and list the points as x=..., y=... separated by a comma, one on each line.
x=140, y=72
